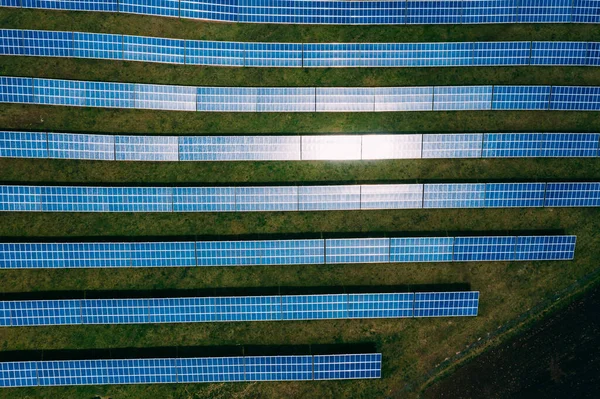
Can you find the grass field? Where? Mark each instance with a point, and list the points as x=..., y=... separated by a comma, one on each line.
x=411, y=348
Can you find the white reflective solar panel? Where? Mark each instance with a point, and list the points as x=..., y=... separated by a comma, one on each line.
x=403, y=99
x=266, y=199
x=285, y=99
x=449, y=98
x=153, y=49
x=345, y=99
x=146, y=148
x=462, y=195
x=203, y=199
x=176, y=98
x=391, y=196
x=227, y=99
x=239, y=148
x=391, y=146
x=81, y=146
x=322, y=198
x=331, y=147
x=452, y=145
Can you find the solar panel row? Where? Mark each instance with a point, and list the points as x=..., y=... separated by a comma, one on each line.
x=333, y=99
x=282, y=252
x=230, y=309
x=295, y=198
x=296, y=148
x=190, y=370
x=242, y=54
x=342, y=12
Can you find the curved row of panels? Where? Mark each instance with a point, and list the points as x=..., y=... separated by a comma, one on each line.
x=306, y=55
x=296, y=148
x=190, y=370
x=285, y=252
x=296, y=99
x=296, y=198
x=343, y=12
x=237, y=308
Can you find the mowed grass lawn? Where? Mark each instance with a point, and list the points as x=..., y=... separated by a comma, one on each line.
x=411, y=348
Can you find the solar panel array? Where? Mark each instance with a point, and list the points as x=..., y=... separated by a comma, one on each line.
x=296, y=148
x=282, y=252
x=190, y=370
x=306, y=55
x=233, y=309
x=295, y=198
x=343, y=12
x=298, y=99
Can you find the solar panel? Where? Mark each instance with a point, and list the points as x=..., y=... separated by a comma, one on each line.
x=341, y=367
x=570, y=145
x=163, y=254
x=18, y=374
x=47, y=43
x=181, y=310
x=403, y=99
x=391, y=146
x=558, y=53
x=278, y=368
x=217, y=369
x=575, y=98
x=227, y=99
x=357, y=250
x=20, y=198
x=199, y=52
x=323, y=198
x=363, y=306
x=203, y=199
x=331, y=55
x=114, y=311
x=345, y=99
x=23, y=145
x=175, y=98
x=475, y=249
x=16, y=90
x=266, y=199
x=516, y=145
x=521, y=97
x=436, y=304
x=449, y=98
x=239, y=148
x=77, y=5
x=11, y=42
x=549, y=11
x=421, y=249
x=586, y=11
x=167, y=8
x=216, y=10
x=41, y=312
x=153, y=49
x=285, y=99
x=110, y=95
x=452, y=145
x=465, y=195
x=59, y=92
x=545, y=248
x=97, y=45
x=331, y=147
x=273, y=55
x=146, y=148
x=292, y=252
x=593, y=51
x=572, y=194
x=252, y=308
x=312, y=307
x=81, y=146
x=489, y=11
x=500, y=53
x=433, y=12
x=504, y=195
x=391, y=196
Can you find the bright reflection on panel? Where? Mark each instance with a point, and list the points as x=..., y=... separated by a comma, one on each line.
x=391, y=146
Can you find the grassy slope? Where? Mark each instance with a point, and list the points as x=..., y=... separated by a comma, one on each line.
x=410, y=347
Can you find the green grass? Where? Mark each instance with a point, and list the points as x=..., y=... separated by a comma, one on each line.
x=411, y=348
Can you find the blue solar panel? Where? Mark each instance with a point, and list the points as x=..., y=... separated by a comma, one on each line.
x=203, y=199
x=114, y=311
x=403, y=99
x=278, y=368
x=47, y=43
x=489, y=11
x=110, y=95
x=167, y=8
x=146, y=148
x=23, y=145
x=218, y=369
x=76, y=5
x=181, y=310
x=593, y=53
x=575, y=98
x=266, y=199
x=18, y=374
x=361, y=306
x=253, y=308
x=586, y=11
x=97, y=45
x=331, y=55
x=550, y=11
x=357, y=250
x=440, y=304
x=340, y=367
x=452, y=145
x=16, y=90
x=214, y=53
x=521, y=97
x=81, y=146
x=572, y=194
x=570, y=144
x=545, y=248
x=59, y=92
x=322, y=198
x=153, y=49
x=501, y=53
x=11, y=42
x=216, y=10
x=273, y=55
x=433, y=12
x=239, y=148
x=449, y=98
x=309, y=307
x=161, y=254
x=391, y=196
x=504, y=195
x=5, y=315
x=474, y=249
x=421, y=249
x=516, y=145
x=466, y=195
x=559, y=53
x=40, y=313
x=20, y=198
